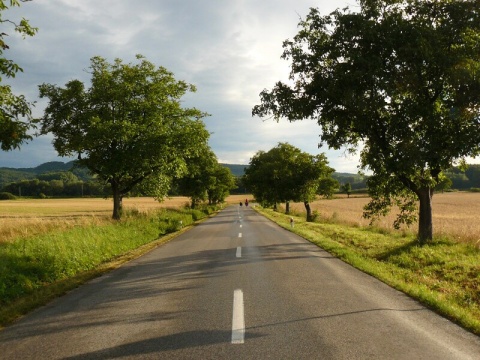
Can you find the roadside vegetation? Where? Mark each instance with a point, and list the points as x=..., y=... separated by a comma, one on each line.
x=443, y=274
x=36, y=268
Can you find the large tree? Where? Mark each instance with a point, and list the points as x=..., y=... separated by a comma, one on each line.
x=284, y=174
x=128, y=128
x=205, y=179
x=399, y=80
x=15, y=110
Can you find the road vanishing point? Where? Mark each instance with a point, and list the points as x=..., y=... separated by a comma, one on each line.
x=236, y=286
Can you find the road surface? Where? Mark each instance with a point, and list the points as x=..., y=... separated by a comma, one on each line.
x=236, y=287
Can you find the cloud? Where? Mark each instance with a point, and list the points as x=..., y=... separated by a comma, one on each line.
x=229, y=49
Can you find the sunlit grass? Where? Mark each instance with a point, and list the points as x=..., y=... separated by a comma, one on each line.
x=34, y=268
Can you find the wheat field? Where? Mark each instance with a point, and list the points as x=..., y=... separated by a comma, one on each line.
x=456, y=214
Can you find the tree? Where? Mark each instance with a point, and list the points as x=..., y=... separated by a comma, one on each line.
x=206, y=179
x=128, y=127
x=13, y=108
x=196, y=181
x=222, y=182
x=285, y=174
x=269, y=176
x=346, y=188
x=327, y=187
x=399, y=80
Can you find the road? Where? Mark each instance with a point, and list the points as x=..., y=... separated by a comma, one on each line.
x=236, y=286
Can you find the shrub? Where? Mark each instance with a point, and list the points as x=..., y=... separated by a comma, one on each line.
x=7, y=196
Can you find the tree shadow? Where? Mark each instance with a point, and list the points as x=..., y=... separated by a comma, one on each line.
x=184, y=340
x=405, y=248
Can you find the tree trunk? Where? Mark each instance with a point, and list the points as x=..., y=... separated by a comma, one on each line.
x=275, y=207
x=425, y=225
x=117, y=203
x=309, y=210
x=287, y=207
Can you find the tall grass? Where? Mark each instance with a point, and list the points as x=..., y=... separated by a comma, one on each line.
x=31, y=262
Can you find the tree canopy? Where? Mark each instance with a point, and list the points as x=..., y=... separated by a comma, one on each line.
x=15, y=110
x=285, y=173
x=206, y=179
x=128, y=128
x=399, y=80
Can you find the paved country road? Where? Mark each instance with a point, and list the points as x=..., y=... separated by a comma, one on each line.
x=236, y=287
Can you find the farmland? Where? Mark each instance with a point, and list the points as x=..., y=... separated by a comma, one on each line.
x=454, y=214
x=19, y=218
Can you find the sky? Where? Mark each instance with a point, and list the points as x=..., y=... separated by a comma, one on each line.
x=229, y=49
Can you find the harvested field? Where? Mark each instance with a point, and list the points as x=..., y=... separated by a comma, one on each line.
x=28, y=217
x=455, y=214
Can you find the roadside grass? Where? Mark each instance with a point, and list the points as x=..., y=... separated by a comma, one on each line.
x=444, y=275
x=37, y=268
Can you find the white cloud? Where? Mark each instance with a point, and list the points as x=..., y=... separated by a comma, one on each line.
x=229, y=49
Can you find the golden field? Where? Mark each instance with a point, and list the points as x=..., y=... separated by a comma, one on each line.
x=35, y=216
x=454, y=214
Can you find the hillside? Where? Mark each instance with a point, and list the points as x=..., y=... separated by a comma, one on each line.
x=237, y=170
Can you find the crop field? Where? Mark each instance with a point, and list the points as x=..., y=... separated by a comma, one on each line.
x=29, y=217
x=454, y=214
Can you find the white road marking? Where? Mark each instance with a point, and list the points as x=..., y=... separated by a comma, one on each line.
x=238, y=319
x=239, y=252
x=241, y=226
x=239, y=235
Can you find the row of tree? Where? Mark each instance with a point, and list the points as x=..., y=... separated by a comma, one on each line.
x=285, y=174
x=396, y=80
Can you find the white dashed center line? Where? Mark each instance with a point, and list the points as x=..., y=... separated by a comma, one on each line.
x=238, y=319
x=239, y=252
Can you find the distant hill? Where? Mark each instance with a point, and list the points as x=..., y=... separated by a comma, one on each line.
x=51, y=166
x=10, y=175
x=237, y=170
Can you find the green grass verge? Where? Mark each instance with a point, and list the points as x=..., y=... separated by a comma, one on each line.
x=444, y=275
x=34, y=270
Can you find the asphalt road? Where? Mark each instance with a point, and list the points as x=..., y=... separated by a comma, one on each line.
x=236, y=287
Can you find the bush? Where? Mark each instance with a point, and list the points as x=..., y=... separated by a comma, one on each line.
x=475, y=190
x=7, y=196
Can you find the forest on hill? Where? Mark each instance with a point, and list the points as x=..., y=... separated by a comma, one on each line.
x=58, y=178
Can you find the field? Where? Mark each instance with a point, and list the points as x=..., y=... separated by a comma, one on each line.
x=454, y=214
x=30, y=217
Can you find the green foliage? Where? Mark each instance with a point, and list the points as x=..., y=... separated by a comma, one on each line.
x=398, y=79
x=285, y=173
x=7, y=196
x=13, y=108
x=346, y=188
x=128, y=127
